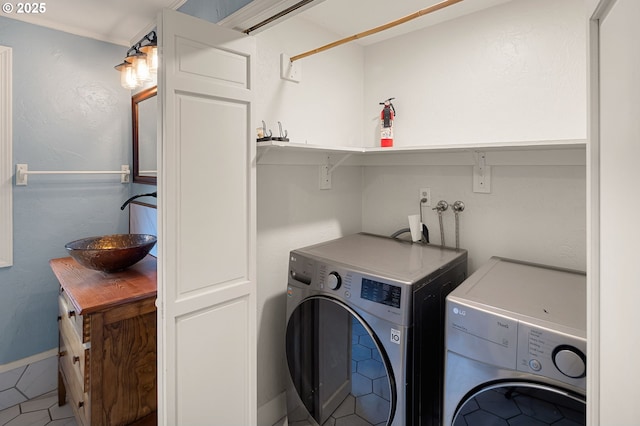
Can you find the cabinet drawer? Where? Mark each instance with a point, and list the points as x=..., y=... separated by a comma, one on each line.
x=79, y=322
x=78, y=399
x=74, y=353
x=74, y=358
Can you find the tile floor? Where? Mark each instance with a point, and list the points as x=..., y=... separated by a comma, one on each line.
x=39, y=411
x=28, y=381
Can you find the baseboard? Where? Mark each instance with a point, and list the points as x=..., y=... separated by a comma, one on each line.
x=273, y=411
x=29, y=360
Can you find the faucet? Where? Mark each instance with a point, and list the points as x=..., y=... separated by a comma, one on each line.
x=150, y=194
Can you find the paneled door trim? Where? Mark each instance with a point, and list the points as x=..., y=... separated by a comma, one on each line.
x=206, y=224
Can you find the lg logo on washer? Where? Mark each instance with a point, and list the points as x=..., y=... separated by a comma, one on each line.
x=460, y=312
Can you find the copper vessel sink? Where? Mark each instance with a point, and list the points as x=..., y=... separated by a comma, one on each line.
x=111, y=253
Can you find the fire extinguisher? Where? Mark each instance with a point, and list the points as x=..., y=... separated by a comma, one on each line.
x=386, y=123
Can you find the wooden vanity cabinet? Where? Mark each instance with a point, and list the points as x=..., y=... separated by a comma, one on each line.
x=107, y=332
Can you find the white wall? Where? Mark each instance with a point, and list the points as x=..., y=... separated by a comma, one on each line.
x=292, y=213
x=533, y=213
x=591, y=6
x=513, y=72
x=324, y=108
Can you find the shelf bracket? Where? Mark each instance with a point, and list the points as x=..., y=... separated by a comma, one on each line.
x=481, y=173
x=342, y=160
x=261, y=153
x=327, y=169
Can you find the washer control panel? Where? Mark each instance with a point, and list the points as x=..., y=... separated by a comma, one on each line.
x=510, y=343
x=379, y=296
x=552, y=354
x=480, y=335
x=570, y=361
x=301, y=269
x=334, y=280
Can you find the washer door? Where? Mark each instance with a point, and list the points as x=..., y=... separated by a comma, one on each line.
x=337, y=365
x=520, y=403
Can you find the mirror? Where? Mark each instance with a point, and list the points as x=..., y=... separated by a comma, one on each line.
x=144, y=110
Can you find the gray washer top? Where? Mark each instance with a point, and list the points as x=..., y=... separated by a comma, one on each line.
x=528, y=292
x=386, y=257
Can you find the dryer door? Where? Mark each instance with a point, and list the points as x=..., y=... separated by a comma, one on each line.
x=521, y=403
x=337, y=366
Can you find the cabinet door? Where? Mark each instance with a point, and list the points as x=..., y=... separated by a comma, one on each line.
x=206, y=217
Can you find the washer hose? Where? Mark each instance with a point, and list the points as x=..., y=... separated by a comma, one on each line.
x=441, y=207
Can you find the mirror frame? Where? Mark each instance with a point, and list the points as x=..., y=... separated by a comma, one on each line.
x=135, y=100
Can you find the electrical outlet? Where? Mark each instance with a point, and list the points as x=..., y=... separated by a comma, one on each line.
x=425, y=193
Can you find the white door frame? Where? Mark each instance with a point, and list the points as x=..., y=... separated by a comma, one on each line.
x=599, y=11
x=593, y=223
x=6, y=158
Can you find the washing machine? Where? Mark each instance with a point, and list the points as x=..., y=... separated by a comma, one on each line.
x=364, y=333
x=515, y=347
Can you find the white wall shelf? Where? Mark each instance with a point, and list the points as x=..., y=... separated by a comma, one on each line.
x=560, y=152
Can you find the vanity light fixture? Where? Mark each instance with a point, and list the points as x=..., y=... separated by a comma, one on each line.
x=139, y=64
x=151, y=50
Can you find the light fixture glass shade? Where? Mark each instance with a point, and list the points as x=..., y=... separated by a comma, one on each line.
x=128, y=78
x=152, y=57
x=142, y=68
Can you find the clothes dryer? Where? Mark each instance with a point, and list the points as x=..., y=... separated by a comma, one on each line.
x=364, y=334
x=515, y=347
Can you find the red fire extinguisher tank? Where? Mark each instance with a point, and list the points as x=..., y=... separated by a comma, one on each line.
x=387, y=116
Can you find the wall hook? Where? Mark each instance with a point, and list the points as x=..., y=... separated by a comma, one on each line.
x=264, y=134
x=283, y=136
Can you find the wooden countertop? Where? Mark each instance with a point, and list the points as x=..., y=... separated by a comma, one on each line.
x=92, y=291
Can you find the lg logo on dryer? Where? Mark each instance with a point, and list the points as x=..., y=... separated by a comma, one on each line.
x=459, y=311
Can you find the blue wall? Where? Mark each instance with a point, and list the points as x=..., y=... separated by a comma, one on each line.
x=69, y=113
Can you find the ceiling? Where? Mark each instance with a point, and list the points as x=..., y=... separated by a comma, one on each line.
x=124, y=21
x=364, y=15
x=115, y=21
